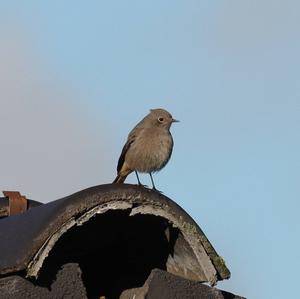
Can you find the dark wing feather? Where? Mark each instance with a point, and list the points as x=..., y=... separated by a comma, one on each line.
x=124, y=151
x=131, y=138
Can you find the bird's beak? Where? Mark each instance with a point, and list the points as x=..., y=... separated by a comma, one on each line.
x=175, y=120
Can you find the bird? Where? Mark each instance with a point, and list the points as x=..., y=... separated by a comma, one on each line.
x=148, y=147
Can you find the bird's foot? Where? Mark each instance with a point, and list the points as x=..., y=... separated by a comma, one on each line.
x=154, y=189
x=144, y=186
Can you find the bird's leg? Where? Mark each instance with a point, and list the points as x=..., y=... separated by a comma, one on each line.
x=153, y=186
x=138, y=179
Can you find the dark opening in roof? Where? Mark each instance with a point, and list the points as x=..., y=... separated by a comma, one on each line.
x=114, y=251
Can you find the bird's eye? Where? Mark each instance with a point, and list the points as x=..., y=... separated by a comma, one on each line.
x=160, y=119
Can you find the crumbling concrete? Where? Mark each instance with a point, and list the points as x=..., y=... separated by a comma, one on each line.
x=162, y=284
x=67, y=284
x=116, y=234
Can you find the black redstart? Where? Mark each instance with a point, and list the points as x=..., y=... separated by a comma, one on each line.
x=149, y=146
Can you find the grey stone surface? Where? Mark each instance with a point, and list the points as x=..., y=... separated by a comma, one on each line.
x=68, y=285
x=164, y=285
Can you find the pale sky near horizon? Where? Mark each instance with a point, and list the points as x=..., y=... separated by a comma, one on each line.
x=75, y=77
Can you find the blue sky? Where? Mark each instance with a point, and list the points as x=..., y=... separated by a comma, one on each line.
x=75, y=78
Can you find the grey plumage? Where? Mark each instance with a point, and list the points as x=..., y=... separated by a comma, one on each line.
x=149, y=146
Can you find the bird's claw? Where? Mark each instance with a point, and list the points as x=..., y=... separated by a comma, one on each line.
x=154, y=189
x=144, y=186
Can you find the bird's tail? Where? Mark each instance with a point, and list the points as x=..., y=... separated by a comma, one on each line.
x=119, y=179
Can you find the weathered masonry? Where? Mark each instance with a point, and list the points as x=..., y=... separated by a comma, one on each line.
x=109, y=241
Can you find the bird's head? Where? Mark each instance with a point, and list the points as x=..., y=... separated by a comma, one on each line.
x=161, y=118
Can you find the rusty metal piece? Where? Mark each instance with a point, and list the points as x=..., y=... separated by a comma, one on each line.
x=3, y=207
x=17, y=202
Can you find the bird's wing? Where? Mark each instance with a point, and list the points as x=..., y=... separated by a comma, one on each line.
x=131, y=138
x=126, y=147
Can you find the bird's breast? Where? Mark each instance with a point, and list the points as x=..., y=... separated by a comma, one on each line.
x=150, y=152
